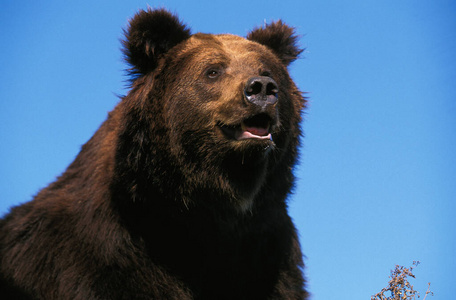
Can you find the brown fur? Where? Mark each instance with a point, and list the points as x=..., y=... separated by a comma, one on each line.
x=163, y=202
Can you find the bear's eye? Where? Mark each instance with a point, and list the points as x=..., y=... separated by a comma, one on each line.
x=213, y=73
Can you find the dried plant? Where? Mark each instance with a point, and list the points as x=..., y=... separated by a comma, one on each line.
x=399, y=288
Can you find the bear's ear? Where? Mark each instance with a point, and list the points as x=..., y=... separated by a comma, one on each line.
x=150, y=34
x=280, y=38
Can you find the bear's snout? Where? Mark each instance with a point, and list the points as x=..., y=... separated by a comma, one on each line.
x=261, y=91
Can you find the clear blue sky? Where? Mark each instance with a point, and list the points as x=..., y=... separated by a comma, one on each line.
x=377, y=179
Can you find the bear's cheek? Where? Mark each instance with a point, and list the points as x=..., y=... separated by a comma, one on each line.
x=188, y=125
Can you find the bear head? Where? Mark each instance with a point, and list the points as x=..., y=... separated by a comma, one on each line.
x=209, y=116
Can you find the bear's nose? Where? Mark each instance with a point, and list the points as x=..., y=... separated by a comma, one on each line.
x=261, y=91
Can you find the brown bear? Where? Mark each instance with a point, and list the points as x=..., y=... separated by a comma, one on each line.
x=181, y=193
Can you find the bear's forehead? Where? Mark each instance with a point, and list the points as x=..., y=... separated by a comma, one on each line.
x=226, y=44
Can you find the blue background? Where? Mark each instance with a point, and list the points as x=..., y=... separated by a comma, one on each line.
x=376, y=183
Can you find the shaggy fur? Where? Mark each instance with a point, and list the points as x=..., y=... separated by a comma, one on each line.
x=181, y=193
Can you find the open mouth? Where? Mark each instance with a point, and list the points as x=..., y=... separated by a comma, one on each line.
x=256, y=127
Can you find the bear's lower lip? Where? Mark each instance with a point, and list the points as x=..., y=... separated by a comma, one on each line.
x=249, y=132
x=256, y=127
x=244, y=132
